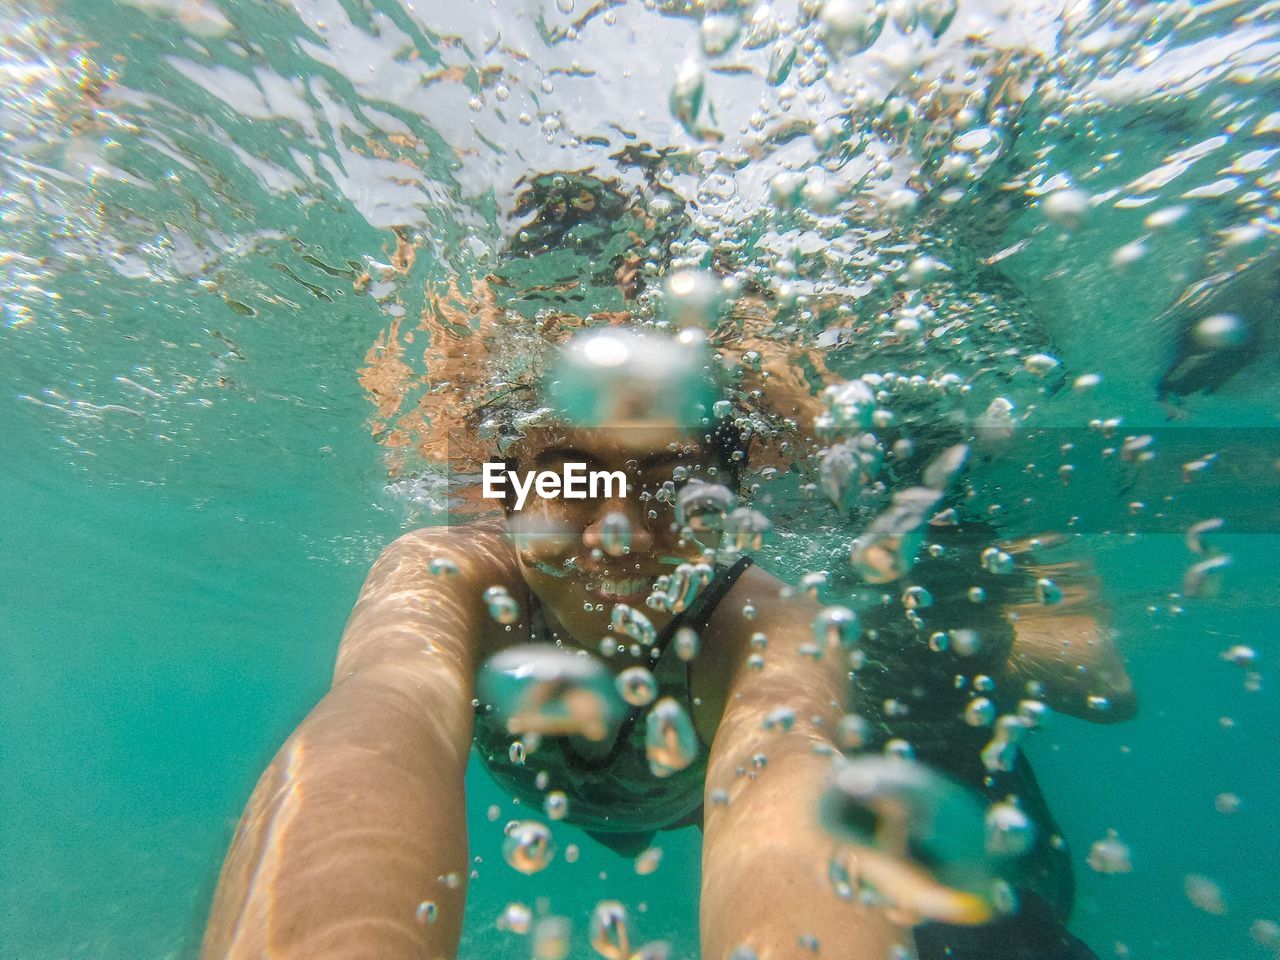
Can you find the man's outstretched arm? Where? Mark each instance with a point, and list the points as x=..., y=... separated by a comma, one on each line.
x=765, y=859
x=362, y=812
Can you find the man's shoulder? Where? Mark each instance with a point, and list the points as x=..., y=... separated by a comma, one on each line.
x=479, y=550
x=458, y=535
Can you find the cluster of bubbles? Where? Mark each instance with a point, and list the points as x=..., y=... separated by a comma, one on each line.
x=676, y=591
x=884, y=131
x=610, y=933
x=710, y=510
x=932, y=848
x=502, y=606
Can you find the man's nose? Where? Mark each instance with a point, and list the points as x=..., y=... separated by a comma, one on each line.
x=610, y=518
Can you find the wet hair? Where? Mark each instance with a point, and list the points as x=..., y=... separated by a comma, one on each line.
x=492, y=339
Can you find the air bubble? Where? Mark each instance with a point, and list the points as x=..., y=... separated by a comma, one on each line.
x=551, y=939
x=1220, y=331
x=542, y=689
x=996, y=561
x=1001, y=752
x=1196, y=533
x=785, y=189
x=780, y=718
x=615, y=534
x=910, y=819
x=936, y=15
x=1240, y=655
x=1032, y=712
x=1068, y=208
x=1041, y=364
x=979, y=712
x=899, y=749
x=744, y=529
x=703, y=506
x=761, y=29
x=836, y=627
x=1048, y=592
x=1266, y=933
x=1205, y=894
x=849, y=406
x=671, y=744
x=917, y=598
x=781, y=60
x=718, y=33
x=887, y=550
x=442, y=567
x=686, y=95
x=610, y=934
x=502, y=606
x=630, y=622
x=1010, y=832
x=850, y=26
x=1202, y=579
x=515, y=918
x=647, y=861
x=1227, y=803
x=811, y=583
x=686, y=643
x=529, y=847
x=965, y=642
x=556, y=805
x=637, y=686
x=693, y=298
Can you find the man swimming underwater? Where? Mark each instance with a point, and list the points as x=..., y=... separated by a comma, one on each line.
x=735, y=697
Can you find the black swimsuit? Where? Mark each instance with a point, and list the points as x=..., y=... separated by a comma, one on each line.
x=902, y=668
x=612, y=793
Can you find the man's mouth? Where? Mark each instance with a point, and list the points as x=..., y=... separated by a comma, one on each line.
x=622, y=589
x=598, y=585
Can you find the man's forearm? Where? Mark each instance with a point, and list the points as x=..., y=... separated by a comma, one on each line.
x=766, y=860
x=349, y=830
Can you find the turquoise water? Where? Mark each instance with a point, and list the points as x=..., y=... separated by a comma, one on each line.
x=194, y=491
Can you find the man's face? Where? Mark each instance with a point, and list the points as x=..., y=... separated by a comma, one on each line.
x=583, y=556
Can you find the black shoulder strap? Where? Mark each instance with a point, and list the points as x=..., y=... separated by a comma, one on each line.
x=705, y=603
